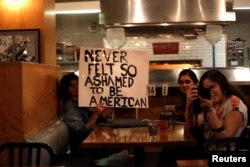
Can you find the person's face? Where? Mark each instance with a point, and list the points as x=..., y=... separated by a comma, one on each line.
x=185, y=83
x=215, y=90
x=73, y=88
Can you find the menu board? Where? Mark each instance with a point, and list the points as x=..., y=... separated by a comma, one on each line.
x=117, y=78
x=165, y=48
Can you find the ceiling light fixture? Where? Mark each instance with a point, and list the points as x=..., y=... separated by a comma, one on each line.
x=241, y=4
x=78, y=7
x=78, y=11
x=14, y=4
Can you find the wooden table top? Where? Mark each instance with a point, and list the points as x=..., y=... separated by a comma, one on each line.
x=174, y=135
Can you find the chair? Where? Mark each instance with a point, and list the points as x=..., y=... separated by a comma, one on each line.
x=218, y=144
x=228, y=144
x=27, y=154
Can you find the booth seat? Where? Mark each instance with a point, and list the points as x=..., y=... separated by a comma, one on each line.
x=55, y=135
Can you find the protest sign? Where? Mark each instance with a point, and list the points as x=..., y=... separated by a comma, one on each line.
x=117, y=78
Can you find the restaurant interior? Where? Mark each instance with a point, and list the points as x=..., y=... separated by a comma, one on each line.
x=173, y=39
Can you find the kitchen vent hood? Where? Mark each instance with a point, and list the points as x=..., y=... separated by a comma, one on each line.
x=126, y=13
x=241, y=4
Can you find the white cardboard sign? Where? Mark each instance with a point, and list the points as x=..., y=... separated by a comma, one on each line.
x=117, y=78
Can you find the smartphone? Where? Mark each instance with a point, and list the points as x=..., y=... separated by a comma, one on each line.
x=205, y=93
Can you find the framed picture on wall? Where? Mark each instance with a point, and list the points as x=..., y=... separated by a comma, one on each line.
x=20, y=45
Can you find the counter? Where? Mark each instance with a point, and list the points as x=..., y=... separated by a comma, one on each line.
x=235, y=75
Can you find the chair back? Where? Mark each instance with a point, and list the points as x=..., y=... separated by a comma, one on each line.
x=27, y=154
x=228, y=144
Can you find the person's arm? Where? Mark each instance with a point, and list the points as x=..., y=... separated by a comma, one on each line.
x=232, y=121
x=229, y=125
x=97, y=112
x=189, y=116
x=73, y=118
x=192, y=120
x=78, y=122
x=106, y=113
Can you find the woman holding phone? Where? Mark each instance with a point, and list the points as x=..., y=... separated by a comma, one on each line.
x=224, y=114
x=186, y=80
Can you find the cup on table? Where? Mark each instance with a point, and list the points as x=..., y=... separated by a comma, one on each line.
x=170, y=109
x=165, y=119
x=153, y=127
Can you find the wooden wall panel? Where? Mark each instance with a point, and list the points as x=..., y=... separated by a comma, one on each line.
x=11, y=125
x=32, y=14
x=28, y=98
x=49, y=35
x=40, y=96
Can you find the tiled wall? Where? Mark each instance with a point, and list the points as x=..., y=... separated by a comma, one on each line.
x=199, y=48
x=75, y=29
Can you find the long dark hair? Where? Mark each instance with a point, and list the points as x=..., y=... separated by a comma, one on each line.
x=190, y=73
x=193, y=77
x=216, y=76
x=64, y=85
x=226, y=88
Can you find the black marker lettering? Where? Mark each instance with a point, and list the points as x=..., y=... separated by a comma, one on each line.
x=123, y=55
x=88, y=54
x=129, y=70
x=96, y=90
x=92, y=100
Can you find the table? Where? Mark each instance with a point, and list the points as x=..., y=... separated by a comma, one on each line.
x=138, y=138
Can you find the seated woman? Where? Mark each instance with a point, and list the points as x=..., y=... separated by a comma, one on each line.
x=80, y=120
x=186, y=79
x=224, y=115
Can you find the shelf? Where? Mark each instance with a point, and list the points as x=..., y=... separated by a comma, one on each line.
x=68, y=62
x=69, y=66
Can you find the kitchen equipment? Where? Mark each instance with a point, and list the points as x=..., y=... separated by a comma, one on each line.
x=165, y=12
x=213, y=35
x=236, y=75
x=235, y=53
x=115, y=37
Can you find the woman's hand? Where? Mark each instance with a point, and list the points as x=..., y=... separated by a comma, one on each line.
x=99, y=109
x=206, y=104
x=191, y=95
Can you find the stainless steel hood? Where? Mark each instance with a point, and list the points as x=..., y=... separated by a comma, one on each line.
x=118, y=13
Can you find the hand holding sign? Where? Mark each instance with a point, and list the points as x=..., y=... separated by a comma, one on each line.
x=99, y=109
